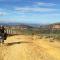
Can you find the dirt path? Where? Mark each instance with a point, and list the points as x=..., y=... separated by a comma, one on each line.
x=24, y=48
x=52, y=48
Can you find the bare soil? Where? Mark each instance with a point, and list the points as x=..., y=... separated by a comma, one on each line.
x=23, y=47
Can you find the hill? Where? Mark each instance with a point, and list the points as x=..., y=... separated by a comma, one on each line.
x=23, y=47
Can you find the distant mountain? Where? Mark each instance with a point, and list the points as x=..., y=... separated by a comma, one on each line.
x=13, y=24
x=30, y=25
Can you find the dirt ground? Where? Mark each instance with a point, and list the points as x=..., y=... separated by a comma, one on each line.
x=23, y=47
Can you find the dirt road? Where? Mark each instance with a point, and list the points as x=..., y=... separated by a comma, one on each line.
x=24, y=48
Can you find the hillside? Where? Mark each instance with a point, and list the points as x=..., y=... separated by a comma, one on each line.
x=23, y=47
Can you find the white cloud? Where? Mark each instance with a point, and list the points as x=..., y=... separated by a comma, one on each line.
x=36, y=8
x=30, y=9
x=3, y=13
x=44, y=4
x=51, y=15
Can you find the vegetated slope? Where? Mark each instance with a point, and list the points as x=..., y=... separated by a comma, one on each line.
x=24, y=48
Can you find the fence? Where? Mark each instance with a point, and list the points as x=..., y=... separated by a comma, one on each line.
x=13, y=31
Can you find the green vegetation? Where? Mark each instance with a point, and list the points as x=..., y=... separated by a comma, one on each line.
x=55, y=34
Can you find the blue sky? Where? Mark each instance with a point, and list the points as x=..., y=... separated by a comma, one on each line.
x=30, y=11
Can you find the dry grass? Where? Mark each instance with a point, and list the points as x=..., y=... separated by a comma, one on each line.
x=23, y=47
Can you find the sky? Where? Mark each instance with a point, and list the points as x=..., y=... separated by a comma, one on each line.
x=30, y=11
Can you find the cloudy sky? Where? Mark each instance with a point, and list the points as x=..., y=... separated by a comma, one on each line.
x=30, y=11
